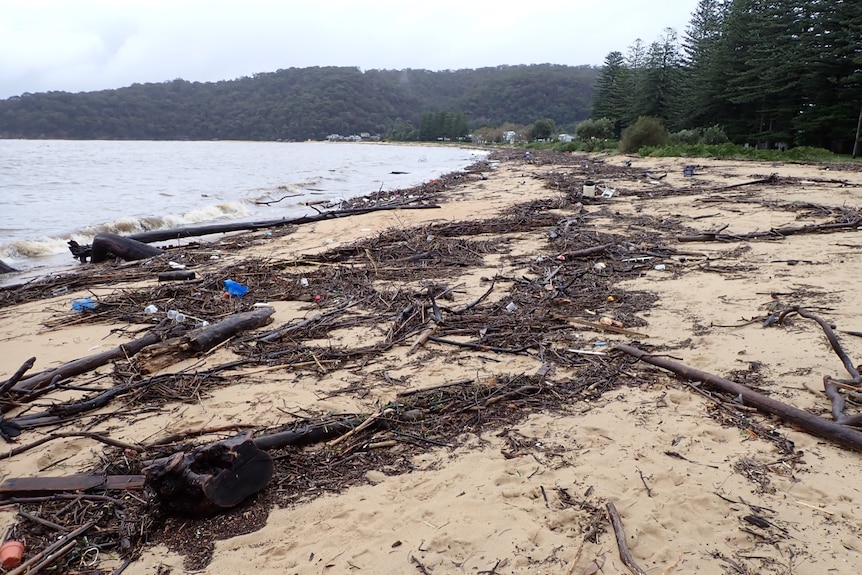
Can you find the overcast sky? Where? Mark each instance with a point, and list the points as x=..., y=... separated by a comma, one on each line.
x=85, y=45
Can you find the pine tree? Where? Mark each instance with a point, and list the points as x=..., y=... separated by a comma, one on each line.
x=613, y=87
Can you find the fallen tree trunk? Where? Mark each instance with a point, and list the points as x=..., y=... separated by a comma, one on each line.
x=85, y=364
x=200, y=340
x=212, y=478
x=841, y=434
x=177, y=233
x=107, y=245
x=775, y=233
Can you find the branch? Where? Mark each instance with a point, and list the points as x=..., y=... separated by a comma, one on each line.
x=841, y=434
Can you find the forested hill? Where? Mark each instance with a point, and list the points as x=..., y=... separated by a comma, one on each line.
x=305, y=103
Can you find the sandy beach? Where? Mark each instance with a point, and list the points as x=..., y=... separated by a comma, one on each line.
x=477, y=341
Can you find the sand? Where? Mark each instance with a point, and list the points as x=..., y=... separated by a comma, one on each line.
x=696, y=493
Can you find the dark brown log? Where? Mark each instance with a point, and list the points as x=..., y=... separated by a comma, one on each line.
x=178, y=275
x=162, y=235
x=107, y=245
x=25, y=367
x=85, y=364
x=841, y=434
x=212, y=478
x=201, y=339
x=774, y=233
x=306, y=435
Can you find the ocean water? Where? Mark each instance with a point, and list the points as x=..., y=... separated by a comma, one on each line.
x=52, y=191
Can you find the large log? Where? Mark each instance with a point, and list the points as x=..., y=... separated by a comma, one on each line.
x=106, y=246
x=816, y=425
x=200, y=340
x=177, y=233
x=212, y=478
x=85, y=364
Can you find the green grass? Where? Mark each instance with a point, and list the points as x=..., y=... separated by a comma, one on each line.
x=736, y=152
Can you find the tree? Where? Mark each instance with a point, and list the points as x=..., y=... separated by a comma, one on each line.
x=542, y=129
x=700, y=84
x=658, y=85
x=613, y=89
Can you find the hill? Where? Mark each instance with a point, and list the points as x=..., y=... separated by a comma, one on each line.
x=304, y=103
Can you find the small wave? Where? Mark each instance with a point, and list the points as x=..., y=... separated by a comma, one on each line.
x=16, y=251
x=130, y=225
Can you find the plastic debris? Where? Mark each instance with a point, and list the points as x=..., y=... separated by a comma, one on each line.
x=511, y=307
x=151, y=309
x=235, y=289
x=82, y=304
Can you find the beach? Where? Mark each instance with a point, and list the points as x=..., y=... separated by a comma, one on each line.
x=475, y=336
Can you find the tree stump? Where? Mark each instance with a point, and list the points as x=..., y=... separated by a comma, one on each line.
x=212, y=478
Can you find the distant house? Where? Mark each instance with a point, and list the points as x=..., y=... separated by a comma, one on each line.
x=510, y=136
x=565, y=138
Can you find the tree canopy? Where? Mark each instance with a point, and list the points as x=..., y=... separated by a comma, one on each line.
x=769, y=72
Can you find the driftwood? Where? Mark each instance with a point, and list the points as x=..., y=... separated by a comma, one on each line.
x=212, y=478
x=28, y=486
x=774, y=233
x=176, y=233
x=200, y=340
x=829, y=382
x=841, y=434
x=85, y=364
x=179, y=275
x=107, y=245
x=25, y=367
x=620, y=535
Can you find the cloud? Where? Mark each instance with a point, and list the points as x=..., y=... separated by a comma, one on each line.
x=97, y=44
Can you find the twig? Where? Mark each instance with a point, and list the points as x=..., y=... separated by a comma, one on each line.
x=625, y=554
x=643, y=480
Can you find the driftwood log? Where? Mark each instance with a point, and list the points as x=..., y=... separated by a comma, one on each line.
x=212, y=478
x=841, y=434
x=177, y=233
x=85, y=364
x=200, y=340
x=107, y=245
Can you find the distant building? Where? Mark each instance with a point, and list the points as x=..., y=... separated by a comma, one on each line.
x=565, y=138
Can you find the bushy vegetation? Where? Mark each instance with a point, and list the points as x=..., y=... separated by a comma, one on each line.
x=734, y=151
x=646, y=131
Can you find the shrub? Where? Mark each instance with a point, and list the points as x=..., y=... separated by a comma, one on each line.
x=714, y=135
x=688, y=137
x=601, y=129
x=647, y=131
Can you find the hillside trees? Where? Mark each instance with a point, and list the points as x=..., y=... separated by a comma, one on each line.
x=770, y=72
x=308, y=103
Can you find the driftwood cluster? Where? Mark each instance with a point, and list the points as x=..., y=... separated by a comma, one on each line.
x=398, y=285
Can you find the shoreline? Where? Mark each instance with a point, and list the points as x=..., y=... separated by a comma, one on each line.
x=519, y=485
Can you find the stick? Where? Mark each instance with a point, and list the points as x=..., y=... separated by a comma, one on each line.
x=25, y=566
x=840, y=434
x=25, y=367
x=625, y=554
